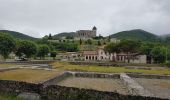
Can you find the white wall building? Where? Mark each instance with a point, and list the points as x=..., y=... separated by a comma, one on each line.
x=101, y=55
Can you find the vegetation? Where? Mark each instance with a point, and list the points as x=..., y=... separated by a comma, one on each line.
x=53, y=54
x=18, y=35
x=26, y=48
x=7, y=45
x=158, y=52
x=64, y=34
x=42, y=51
x=28, y=75
x=93, y=68
x=9, y=97
x=167, y=64
x=69, y=47
x=136, y=35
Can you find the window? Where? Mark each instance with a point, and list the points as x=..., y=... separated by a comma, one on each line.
x=90, y=57
x=86, y=57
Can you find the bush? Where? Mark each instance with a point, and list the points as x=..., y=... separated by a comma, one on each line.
x=167, y=64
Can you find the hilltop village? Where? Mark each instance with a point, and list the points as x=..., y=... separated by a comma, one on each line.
x=92, y=48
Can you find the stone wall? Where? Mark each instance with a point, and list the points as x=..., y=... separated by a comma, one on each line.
x=94, y=75
x=56, y=79
x=15, y=86
x=114, y=64
x=54, y=92
x=29, y=62
x=149, y=76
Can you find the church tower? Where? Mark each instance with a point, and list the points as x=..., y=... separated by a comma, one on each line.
x=94, y=29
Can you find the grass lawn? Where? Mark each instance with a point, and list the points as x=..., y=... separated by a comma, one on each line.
x=93, y=68
x=28, y=75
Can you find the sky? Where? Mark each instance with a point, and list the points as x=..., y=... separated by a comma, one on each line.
x=41, y=17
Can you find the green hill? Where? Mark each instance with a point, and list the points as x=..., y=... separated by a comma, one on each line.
x=64, y=34
x=18, y=35
x=137, y=34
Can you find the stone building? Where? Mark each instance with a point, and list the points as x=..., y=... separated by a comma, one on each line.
x=101, y=55
x=86, y=34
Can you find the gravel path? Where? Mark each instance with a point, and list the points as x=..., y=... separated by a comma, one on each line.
x=159, y=87
x=101, y=84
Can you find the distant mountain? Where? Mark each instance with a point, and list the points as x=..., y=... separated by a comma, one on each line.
x=164, y=36
x=64, y=34
x=137, y=34
x=18, y=35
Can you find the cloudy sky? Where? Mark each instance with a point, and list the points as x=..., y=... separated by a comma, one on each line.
x=39, y=17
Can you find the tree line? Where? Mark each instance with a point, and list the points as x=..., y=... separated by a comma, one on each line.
x=160, y=53
x=29, y=49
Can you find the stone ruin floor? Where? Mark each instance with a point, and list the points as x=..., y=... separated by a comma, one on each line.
x=159, y=87
x=126, y=85
x=101, y=84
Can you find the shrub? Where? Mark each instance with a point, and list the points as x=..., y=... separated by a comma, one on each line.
x=167, y=64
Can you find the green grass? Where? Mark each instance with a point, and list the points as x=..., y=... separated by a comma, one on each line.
x=103, y=69
x=9, y=97
x=28, y=75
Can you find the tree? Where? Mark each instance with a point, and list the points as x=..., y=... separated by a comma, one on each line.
x=50, y=36
x=53, y=54
x=158, y=54
x=69, y=47
x=26, y=48
x=42, y=51
x=126, y=46
x=7, y=45
x=129, y=46
x=109, y=38
x=89, y=41
x=146, y=49
x=99, y=43
x=69, y=37
x=112, y=47
x=80, y=42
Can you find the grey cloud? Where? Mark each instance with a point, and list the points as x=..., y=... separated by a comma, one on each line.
x=40, y=17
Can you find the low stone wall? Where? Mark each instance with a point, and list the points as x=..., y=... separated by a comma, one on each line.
x=94, y=75
x=29, y=62
x=149, y=76
x=15, y=86
x=94, y=63
x=114, y=64
x=54, y=92
x=56, y=79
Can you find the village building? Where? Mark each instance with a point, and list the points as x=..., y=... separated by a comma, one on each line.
x=101, y=55
x=86, y=34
